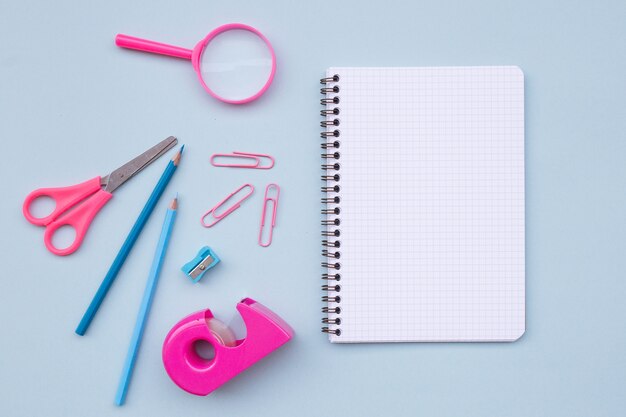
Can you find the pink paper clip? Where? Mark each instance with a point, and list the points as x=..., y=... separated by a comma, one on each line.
x=274, y=202
x=257, y=158
x=217, y=217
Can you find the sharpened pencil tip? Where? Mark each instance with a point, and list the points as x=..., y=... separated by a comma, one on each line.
x=174, y=203
x=176, y=158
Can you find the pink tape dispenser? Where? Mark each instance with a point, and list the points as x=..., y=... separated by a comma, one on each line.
x=266, y=332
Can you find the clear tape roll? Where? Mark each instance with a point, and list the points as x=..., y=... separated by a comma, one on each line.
x=221, y=332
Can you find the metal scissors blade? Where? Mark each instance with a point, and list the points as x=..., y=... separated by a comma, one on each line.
x=118, y=177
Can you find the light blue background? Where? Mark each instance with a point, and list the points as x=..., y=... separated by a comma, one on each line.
x=72, y=106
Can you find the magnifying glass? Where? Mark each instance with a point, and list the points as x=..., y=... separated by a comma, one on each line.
x=235, y=62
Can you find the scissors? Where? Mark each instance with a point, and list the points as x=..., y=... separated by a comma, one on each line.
x=77, y=205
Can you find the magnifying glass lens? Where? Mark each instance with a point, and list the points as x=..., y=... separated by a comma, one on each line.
x=236, y=64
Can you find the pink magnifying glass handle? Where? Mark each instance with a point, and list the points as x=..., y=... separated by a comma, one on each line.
x=145, y=45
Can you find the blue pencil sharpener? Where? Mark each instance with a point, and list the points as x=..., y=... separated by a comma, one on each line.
x=204, y=260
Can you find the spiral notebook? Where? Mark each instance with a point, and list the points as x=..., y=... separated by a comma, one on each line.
x=423, y=204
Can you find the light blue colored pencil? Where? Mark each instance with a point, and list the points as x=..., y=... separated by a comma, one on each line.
x=146, y=303
x=128, y=244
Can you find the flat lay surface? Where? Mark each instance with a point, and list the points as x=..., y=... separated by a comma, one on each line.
x=73, y=106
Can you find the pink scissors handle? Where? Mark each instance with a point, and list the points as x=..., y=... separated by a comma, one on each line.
x=64, y=198
x=79, y=218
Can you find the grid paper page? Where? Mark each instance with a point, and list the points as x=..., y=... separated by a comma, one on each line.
x=432, y=204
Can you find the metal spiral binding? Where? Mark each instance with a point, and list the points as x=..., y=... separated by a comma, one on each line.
x=330, y=204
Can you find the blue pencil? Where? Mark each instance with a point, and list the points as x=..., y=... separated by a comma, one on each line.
x=128, y=244
x=146, y=302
